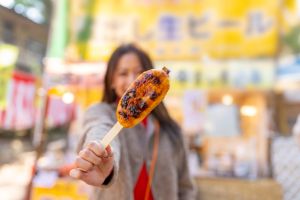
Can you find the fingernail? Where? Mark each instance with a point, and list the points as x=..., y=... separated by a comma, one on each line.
x=74, y=173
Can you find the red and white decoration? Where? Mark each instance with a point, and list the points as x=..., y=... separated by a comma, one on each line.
x=20, y=110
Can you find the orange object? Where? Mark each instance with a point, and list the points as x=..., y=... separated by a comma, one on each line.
x=142, y=96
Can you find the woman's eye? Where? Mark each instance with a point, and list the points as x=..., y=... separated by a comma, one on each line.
x=123, y=74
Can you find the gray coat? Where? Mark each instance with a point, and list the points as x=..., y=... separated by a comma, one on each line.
x=171, y=177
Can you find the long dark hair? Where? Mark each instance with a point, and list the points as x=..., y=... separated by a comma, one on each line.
x=160, y=112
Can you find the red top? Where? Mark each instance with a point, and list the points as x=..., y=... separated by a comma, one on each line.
x=145, y=122
x=143, y=179
x=141, y=185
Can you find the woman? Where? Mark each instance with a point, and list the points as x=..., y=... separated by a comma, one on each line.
x=148, y=161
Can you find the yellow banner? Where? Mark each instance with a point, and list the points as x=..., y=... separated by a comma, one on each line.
x=289, y=17
x=178, y=29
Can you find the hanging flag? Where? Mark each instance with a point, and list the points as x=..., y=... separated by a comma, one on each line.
x=59, y=113
x=19, y=113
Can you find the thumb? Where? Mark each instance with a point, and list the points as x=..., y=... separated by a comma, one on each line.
x=76, y=173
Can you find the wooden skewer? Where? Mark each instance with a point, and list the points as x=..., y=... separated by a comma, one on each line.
x=112, y=133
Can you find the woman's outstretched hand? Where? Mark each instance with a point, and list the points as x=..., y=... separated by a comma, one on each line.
x=93, y=164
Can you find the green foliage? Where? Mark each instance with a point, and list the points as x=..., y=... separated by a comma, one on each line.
x=292, y=39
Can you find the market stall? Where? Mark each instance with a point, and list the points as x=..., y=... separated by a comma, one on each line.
x=221, y=82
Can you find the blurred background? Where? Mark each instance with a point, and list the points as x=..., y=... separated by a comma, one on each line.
x=235, y=89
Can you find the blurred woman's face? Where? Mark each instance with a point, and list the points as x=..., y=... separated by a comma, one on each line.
x=127, y=70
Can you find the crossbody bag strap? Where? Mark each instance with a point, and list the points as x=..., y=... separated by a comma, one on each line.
x=154, y=158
